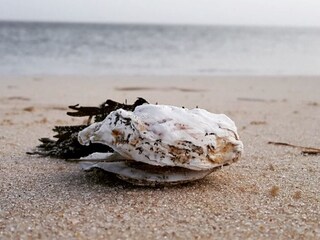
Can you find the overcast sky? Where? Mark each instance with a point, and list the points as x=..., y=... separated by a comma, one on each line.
x=239, y=12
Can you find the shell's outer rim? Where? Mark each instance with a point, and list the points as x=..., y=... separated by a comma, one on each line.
x=141, y=174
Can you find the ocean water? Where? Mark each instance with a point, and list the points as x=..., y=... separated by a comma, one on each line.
x=111, y=49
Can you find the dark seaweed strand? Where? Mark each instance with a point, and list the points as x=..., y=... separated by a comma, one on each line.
x=110, y=105
x=67, y=146
x=101, y=112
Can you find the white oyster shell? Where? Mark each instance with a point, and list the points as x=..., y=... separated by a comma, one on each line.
x=168, y=136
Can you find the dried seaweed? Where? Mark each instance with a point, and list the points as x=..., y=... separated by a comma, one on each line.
x=103, y=110
x=67, y=146
x=304, y=150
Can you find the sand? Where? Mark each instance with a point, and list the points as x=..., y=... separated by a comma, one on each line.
x=272, y=192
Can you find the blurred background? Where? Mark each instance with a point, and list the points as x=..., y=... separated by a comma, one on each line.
x=160, y=37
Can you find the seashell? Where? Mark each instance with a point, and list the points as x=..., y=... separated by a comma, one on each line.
x=161, y=144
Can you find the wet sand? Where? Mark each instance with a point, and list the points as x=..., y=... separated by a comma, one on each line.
x=272, y=192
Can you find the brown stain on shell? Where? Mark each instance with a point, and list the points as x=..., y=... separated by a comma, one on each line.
x=134, y=142
x=180, y=155
x=181, y=126
x=182, y=151
x=118, y=136
x=223, y=147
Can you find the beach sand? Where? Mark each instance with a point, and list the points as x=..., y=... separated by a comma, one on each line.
x=272, y=192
